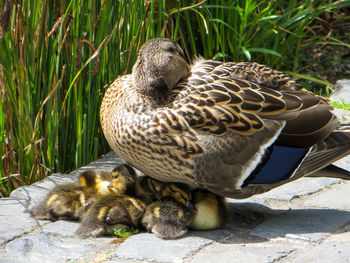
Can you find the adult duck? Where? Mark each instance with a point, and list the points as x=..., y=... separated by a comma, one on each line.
x=235, y=129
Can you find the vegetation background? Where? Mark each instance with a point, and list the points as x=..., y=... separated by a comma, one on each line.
x=56, y=58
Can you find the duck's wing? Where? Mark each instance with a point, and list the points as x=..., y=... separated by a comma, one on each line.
x=213, y=99
x=274, y=174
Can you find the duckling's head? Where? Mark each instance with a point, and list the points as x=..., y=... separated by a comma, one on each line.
x=157, y=190
x=160, y=65
x=123, y=180
x=167, y=219
x=126, y=210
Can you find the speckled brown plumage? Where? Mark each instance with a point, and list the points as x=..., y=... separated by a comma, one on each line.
x=210, y=125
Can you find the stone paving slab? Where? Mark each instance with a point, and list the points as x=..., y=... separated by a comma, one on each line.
x=166, y=250
x=238, y=253
x=327, y=252
x=336, y=198
x=306, y=224
x=263, y=228
x=14, y=220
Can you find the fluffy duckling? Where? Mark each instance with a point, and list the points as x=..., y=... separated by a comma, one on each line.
x=110, y=212
x=150, y=190
x=121, y=180
x=70, y=201
x=66, y=201
x=211, y=211
x=167, y=219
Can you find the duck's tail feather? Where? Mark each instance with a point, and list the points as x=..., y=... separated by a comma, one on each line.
x=333, y=148
x=332, y=171
x=343, y=127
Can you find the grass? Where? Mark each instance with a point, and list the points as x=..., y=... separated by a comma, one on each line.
x=340, y=104
x=56, y=57
x=125, y=233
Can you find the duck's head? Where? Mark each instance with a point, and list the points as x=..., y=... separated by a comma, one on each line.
x=160, y=65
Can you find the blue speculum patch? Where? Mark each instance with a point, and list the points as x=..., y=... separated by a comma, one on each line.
x=280, y=165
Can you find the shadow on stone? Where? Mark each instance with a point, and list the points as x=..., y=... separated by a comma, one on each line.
x=306, y=224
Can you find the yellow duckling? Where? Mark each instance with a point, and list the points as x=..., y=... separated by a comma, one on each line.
x=70, y=201
x=169, y=218
x=121, y=180
x=210, y=211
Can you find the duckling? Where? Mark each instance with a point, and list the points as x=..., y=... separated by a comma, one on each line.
x=70, y=201
x=167, y=218
x=210, y=211
x=66, y=201
x=121, y=180
x=110, y=212
x=150, y=190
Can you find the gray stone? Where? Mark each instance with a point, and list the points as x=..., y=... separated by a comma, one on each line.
x=14, y=219
x=38, y=190
x=305, y=224
x=107, y=163
x=341, y=93
x=61, y=227
x=26, y=240
x=337, y=198
x=121, y=261
x=11, y=260
x=344, y=162
x=299, y=187
x=341, y=90
x=289, y=191
x=50, y=248
x=258, y=199
x=327, y=252
x=151, y=248
x=232, y=253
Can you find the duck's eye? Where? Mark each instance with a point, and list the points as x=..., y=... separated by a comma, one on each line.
x=170, y=49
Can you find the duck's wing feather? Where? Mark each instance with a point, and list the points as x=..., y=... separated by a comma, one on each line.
x=213, y=99
x=324, y=153
x=286, y=164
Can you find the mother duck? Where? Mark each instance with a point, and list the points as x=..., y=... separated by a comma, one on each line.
x=235, y=129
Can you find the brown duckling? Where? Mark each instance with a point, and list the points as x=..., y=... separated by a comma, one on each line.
x=150, y=190
x=70, y=201
x=110, y=212
x=66, y=201
x=121, y=180
x=167, y=218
